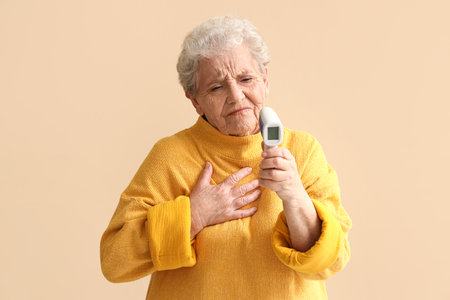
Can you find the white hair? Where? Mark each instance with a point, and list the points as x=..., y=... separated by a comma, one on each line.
x=214, y=37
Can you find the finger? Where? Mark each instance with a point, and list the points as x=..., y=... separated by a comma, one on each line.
x=274, y=174
x=275, y=185
x=234, y=178
x=279, y=163
x=269, y=184
x=205, y=177
x=245, y=200
x=277, y=152
x=243, y=189
x=243, y=213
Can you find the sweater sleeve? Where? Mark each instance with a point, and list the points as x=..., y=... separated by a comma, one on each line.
x=331, y=252
x=150, y=229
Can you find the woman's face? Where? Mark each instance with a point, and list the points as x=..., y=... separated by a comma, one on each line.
x=231, y=91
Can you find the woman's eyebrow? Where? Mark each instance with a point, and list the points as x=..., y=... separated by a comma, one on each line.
x=245, y=73
x=215, y=80
x=221, y=78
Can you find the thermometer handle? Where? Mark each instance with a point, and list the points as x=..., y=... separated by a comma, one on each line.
x=267, y=147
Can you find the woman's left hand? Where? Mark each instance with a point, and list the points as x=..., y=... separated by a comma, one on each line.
x=279, y=173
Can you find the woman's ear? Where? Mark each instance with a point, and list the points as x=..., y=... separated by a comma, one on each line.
x=266, y=79
x=194, y=103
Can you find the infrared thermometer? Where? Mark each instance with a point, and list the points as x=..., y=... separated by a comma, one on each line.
x=270, y=127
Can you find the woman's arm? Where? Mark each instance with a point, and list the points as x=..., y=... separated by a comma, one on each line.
x=279, y=173
x=298, y=240
x=150, y=229
x=303, y=222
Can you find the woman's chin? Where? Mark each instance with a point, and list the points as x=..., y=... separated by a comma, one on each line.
x=244, y=130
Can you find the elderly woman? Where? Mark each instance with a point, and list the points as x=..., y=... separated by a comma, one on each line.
x=209, y=213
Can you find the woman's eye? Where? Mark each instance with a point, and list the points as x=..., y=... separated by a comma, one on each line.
x=246, y=79
x=216, y=88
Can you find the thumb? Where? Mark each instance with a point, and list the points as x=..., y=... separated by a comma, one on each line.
x=205, y=176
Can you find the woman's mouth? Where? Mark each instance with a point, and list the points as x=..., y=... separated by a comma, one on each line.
x=240, y=111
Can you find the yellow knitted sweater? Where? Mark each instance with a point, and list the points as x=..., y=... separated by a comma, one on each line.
x=249, y=258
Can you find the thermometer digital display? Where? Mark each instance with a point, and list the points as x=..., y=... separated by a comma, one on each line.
x=270, y=127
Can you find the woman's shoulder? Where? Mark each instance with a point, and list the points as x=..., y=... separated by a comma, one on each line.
x=299, y=139
x=171, y=146
x=306, y=149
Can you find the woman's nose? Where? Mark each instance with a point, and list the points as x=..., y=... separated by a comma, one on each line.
x=235, y=93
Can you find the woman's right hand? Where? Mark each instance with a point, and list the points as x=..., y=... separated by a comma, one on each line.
x=214, y=204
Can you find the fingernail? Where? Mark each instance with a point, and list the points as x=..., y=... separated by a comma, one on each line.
x=264, y=154
x=249, y=169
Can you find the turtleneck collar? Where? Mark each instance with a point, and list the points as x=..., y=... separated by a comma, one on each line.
x=235, y=147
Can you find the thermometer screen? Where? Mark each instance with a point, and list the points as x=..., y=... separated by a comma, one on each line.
x=272, y=133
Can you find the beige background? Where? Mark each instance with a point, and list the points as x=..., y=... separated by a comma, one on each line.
x=87, y=87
